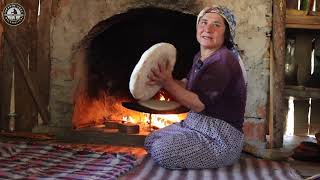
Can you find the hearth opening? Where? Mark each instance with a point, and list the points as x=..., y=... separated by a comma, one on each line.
x=108, y=54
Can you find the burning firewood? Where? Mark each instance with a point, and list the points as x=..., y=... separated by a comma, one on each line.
x=128, y=128
x=112, y=124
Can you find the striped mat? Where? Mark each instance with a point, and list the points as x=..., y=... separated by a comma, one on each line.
x=244, y=169
x=27, y=160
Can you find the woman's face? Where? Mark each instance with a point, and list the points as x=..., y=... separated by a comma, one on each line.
x=210, y=31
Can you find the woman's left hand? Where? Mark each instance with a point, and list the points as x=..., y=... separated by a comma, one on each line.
x=160, y=74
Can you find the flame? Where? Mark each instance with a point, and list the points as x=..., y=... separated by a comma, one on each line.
x=94, y=112
x=158, y=120
x=128, y=119
x=163, y=120
x=162, y=98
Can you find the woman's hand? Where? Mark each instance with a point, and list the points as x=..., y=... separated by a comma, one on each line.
x=160, y=75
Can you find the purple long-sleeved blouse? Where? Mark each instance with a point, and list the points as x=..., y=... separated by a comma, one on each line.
x=220, y=85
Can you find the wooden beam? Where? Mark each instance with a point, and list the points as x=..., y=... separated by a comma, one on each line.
x=303, y=22
x=43, y=47
x=277, y=85
x=25, y=106
x=5, y=80
x=32, y=85
x=301, y=92
x=6, y=75
x=271, y=103
x=1, y=37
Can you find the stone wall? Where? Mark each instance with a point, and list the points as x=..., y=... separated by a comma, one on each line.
x=73, y=19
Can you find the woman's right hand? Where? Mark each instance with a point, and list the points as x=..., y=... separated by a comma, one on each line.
x=160, y=75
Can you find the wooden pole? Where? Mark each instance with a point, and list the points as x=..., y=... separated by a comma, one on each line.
x=6, y=72
x=26, y=110
x=43, y=48
x=277, y=85
x=271, y=103
x=30, y=83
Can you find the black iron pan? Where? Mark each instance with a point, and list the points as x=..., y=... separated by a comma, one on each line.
x=138, y=107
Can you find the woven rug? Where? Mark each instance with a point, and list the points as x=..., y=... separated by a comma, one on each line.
x=27, y=160
x=244, y=169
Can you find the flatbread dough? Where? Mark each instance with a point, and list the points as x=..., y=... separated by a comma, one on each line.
x=158, y=53
x=159, y=105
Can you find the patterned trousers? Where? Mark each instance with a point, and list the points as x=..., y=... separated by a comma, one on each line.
x=195, y=143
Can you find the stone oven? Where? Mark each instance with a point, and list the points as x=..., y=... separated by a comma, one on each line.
x=96, y=44
x=107, y=55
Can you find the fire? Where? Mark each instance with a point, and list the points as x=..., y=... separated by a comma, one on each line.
x=163, y=120
x=162, y=98
x=95, y=112
x=128, y=119
x=158, y=120
x=162, y=95
x=92, y=112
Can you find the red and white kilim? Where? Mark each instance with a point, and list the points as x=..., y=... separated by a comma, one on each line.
x=21, y=160
x=244, y=169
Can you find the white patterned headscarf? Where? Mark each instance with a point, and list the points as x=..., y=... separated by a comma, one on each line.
x=225, y=13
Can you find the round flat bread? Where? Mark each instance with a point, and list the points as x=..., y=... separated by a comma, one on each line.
x=159, y=105
x=158, y=53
